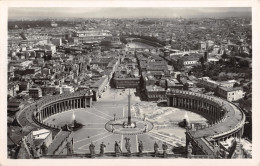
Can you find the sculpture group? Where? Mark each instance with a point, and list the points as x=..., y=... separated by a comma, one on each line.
x=118, y=150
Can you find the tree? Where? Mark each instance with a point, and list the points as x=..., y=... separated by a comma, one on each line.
x=246, y=104
x=202, y=61
x=233, y=61
x=221, y=62
x=236, y=85
x=244, y=63
x=197, y=71
x=224, y=56
x=178, y=65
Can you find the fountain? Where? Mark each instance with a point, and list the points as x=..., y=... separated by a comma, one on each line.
x=73, y=120
x=185, y=122
x=74, y=126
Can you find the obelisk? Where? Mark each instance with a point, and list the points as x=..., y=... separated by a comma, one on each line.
x=129, y=109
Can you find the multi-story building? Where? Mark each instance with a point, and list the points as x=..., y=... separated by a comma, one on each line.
x=189, y=61
x=35, y=93
x=148, y=79
x=209, y=43
x=212, y=85
x=202, y=45
x=12, y=89
x=173, y=84
x=231, y=94
x=48, y=47
x=207, y=83
x=99, y=86
x=154, y=93
x=67, y=89
x=91, y=35
x=32, y=70
x=24, y=86
x=56, y=41
x=127, y=82
x=14, y=105
x=48, y=90
x=227, y=84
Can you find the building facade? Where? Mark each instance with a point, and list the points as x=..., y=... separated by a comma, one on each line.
x=231, y=94
x=154, y=93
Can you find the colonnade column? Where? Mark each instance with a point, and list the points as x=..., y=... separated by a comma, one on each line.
x=52, y=110
x=65, y=106
x=39, y=116
x=42, y=116
x=59, y=105
x=45, y=113
x=85, y=102
x=218, y=111
x=174, y=101
x=202, y=106
x=43, y=110
x=80, y=103
x=56, y=107
x=69, y=104
x=49, y=112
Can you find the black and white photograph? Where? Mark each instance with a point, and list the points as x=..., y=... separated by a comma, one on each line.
x=118, y=82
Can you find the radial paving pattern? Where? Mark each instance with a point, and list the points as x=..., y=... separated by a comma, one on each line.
x=116, y=126
x=161, y=123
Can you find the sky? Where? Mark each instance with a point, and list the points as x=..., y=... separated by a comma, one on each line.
x=123, y=12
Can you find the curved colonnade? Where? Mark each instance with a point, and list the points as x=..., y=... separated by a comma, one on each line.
x=34, y=114
x=227, y=119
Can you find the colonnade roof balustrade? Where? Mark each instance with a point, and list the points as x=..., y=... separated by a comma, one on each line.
x=26, y=121
x=51, y=99
x=234, y=120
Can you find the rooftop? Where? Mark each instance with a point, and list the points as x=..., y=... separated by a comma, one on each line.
x=154, y=88
x=41, y=134
x=230, y=89
x=59, y=138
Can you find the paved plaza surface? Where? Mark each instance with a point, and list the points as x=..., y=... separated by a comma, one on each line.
x=162, y=126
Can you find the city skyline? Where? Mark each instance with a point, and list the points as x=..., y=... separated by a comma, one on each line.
x=129, y=82
x=128, y=12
